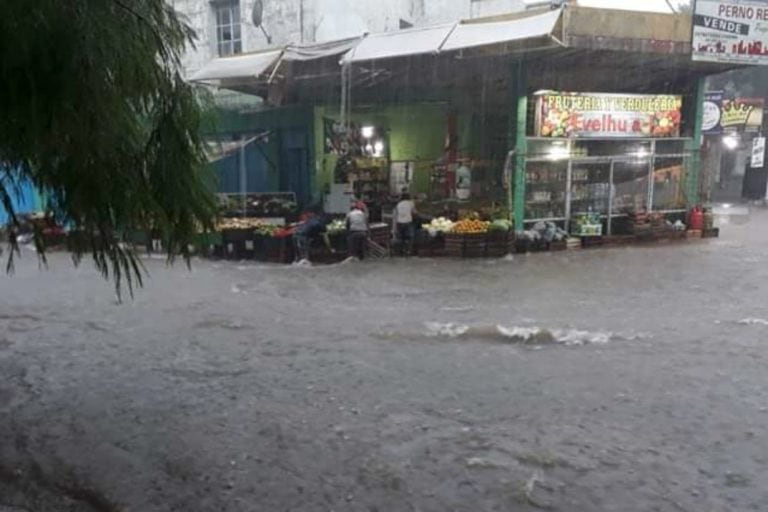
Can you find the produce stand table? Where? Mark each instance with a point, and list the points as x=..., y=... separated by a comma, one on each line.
x=381, y=234
x=478, y=245
x=238, y=243
x=430, y=246
x=278, y=250
x=499, y=244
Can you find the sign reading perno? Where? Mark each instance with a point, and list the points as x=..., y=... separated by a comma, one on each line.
x=595, y=115
x=731, y=31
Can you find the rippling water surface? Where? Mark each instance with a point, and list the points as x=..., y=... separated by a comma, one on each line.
x=629, y=379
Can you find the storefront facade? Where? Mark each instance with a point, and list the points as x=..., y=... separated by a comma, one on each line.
x=604, y=155
x=465, y=116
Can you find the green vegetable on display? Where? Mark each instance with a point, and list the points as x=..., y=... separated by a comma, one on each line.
x=500, y=226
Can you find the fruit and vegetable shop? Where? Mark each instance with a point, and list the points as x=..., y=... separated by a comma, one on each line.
x=531, y=129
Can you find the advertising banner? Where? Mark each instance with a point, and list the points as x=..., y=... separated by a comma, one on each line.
x=597, y=115
x=758, y=153
x=712, y=112
x=731, y=31
x=721, y=114
x=742, y=114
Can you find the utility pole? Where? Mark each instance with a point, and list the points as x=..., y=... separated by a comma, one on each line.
x=672, y=7
x=301, y=21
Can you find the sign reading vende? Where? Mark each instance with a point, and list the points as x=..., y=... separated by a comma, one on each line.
x=560, y=114
x=731, y=31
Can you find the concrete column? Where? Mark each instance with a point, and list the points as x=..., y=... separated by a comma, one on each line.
x=517, y=136
x=692, y=177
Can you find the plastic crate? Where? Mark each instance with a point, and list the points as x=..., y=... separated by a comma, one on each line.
x=590, y=230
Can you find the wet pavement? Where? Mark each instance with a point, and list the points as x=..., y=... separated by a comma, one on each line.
x=630, y=379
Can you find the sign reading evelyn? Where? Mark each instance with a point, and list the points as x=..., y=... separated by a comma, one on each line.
x=594, y=115
x=731, y=31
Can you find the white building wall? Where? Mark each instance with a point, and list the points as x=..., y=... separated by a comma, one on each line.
x=296, y=21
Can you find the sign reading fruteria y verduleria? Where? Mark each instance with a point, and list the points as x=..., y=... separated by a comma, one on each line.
x=731, y=31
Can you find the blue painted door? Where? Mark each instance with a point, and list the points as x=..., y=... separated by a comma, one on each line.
x=294, y=164
x=257, y=170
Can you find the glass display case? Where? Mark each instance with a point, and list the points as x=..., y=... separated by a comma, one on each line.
x=590, y=187
x=545, y=190
x=630, y=186
x=566, y=179
x=668, y=178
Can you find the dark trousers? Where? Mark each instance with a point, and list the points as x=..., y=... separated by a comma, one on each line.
x=405, y=233
x=301, y=245
x=356, y=243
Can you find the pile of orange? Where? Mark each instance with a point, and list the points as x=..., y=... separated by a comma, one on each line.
x=471, y=227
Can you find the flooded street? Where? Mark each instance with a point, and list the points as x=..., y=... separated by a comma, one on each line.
x=629, y=379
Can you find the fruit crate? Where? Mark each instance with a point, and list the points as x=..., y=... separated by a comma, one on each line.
x=237, y=235
x=381, y=234
x=454, y=245
x=591, y=241
x=693, y=233
x=498, y=244
x=558, y=245
x=429, y=247
x=673, y=235
x=590, y=230
x=522, y=245
x=260, y=247
x=474, y=245
x=238, y=243
x=619, y=240
x=278, y=250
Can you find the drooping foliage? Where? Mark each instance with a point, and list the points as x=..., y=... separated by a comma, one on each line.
x=94, y=112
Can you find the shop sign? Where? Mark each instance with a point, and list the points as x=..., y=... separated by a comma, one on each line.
x=742, y=114
x=711, y=113
x=721, y=114
x=599, y=115
x=758, y=152
x=731, y=31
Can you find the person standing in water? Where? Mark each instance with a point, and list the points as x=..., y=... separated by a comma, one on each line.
x=357, y=231
x=403, y=216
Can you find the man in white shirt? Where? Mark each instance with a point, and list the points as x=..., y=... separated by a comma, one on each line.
x=403, y=216
x=357, y=231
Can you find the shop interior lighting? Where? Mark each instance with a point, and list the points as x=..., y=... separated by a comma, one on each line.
x=558, y=152
x=367, y=131
x=731, y=141
x=369, y=148
x=642, y=153
x=378, y=148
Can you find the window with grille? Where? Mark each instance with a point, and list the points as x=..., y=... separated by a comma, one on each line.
x=228, y=30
